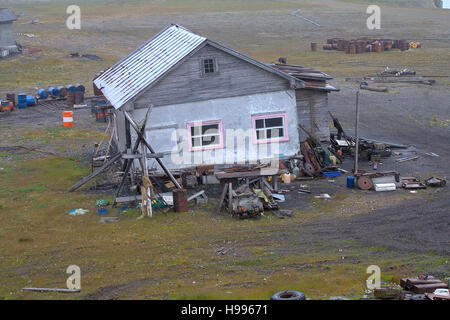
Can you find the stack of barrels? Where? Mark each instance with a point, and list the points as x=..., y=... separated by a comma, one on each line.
x=73, y=93
x=24, y=101
x=362, y=45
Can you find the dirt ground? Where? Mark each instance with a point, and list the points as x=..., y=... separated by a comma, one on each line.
x=323, y=250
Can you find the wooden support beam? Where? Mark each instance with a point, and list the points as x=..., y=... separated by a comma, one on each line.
x=222, y=196
x=86, y=179
x=127, y=164
x=144, y=141
x=230, y=197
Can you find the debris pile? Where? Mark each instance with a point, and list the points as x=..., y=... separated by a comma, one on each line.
x=425, y=287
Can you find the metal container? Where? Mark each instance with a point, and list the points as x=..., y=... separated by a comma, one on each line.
x=313, y=46
x=53, y=92
x=180, y=202
x=62, y=91
x=71, y=98
x=70, y=88
x=327, y=47
x=79, y=97
x=352, y=48
x=11, y=97
x=42, y=93
x=22, y=101
x=30, y=101
x=80, y=88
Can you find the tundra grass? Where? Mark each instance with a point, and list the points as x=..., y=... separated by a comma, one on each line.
x=173, y=255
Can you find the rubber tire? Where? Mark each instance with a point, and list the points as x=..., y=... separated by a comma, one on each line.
x=294, y=295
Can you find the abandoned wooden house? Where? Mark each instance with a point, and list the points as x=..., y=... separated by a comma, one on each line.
x=206, y=96
x=7, y=36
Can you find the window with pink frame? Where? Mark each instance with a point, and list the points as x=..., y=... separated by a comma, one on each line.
x=205, y=135
x=270, y=128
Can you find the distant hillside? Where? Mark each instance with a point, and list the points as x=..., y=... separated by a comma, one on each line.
x=412, y=3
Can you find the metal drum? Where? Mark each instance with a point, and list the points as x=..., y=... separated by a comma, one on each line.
x=180, y=202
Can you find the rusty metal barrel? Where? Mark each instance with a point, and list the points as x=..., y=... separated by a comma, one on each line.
x=70, y=98
x=79, y=97
x=403, y=45
x=180, y=202
x=313, y=46
x=11, y=97
x=352, y=48
x=327, y=47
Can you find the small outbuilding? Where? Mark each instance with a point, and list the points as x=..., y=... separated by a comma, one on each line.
x=212, y=104
x=7, y=36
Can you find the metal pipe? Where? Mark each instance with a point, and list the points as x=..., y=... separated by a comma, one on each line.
x=356, y=134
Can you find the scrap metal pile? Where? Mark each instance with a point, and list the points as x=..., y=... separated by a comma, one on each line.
x=363, y=45
x=426, y=288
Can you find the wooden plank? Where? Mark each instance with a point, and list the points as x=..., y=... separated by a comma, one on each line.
x=245, y=174
x=230, y=197
x=52, y=290
x=128, y=199
x=139, y=156
x=222, y=196
x=86, y=179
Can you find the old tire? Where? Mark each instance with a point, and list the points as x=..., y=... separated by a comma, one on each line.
x=288, y=295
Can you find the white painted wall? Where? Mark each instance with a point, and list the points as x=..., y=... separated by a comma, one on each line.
x=235, y=113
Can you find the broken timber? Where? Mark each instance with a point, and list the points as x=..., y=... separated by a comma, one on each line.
x=86, y=179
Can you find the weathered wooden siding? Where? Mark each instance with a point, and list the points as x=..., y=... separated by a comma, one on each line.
x=186, y=83
x=312, y=113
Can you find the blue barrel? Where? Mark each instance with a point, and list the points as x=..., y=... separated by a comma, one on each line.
x=350, y=182
x=42, y=93
x=70, y=88
x=30, y=101
x=54, y=92
x=80, y=88
x=22, y=101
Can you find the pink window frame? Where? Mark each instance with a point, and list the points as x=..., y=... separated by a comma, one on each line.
x=197, y=123
x=266, y=116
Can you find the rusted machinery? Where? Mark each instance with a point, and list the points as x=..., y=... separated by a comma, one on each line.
x=6, y=106
x=364, y=181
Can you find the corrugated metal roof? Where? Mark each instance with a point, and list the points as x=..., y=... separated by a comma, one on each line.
x=7, y=14
x=145, y=65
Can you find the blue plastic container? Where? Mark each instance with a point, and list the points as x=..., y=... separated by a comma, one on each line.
x=350, y=182
x=102, y=211
x=331, y=174
x=30, y=101
x=22, y=101
x=42, y=93
x=70, y=88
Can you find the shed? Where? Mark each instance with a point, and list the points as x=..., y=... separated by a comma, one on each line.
x=211, y=104
x=7, y=37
